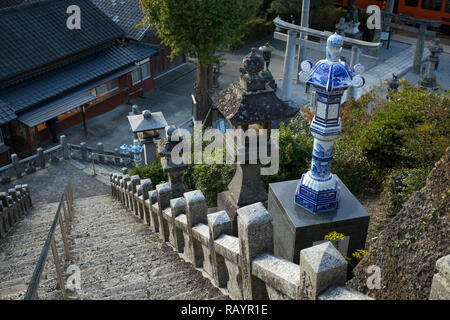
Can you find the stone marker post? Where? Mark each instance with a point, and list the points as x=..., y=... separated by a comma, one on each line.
x=320, y=267
x=255, y=237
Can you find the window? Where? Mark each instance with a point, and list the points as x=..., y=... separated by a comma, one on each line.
x=432, y=4
x=146, y=73
x=412, y=3
x=2, y=141
x=447, y=6
x=107, y=87
x=136, y=76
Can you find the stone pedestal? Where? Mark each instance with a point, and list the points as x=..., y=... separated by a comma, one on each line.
x=296, y=228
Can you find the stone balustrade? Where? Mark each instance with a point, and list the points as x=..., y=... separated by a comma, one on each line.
x=244, y=267
x=44, y=158
x=14, y=206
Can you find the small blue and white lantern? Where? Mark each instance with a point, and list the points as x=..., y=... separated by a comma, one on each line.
x=318, y=190
x=136, y=150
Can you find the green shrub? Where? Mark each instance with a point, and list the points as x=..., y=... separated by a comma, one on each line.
x=153, y=171
x=212, y=179
x=295, y=144
x=400, y=184
x=412, y=130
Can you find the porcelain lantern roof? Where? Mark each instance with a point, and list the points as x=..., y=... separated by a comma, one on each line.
x=332, y=74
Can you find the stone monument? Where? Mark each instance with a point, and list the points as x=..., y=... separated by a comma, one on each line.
x=145, y=126
x=306, y=210
x=249, y=104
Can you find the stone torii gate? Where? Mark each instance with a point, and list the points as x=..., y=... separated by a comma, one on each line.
x=423, y=25
x=292, y=39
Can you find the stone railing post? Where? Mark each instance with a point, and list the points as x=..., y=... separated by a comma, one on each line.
x=16, y=203
x=135, y=181
x=65, y=147
x=83, y=151
x=144, y=188
x=177, y=207
x=320, y=267
x=440, y=286
x=16, y=164
x=153, y=218
x=126, y=180
x=255, y=237
x=196, y=211
x=164, y=195
x=218, y=223
x=41, y=157
x=101, y=150
x=4, y=224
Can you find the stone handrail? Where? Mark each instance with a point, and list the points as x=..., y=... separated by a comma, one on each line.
x=245, y=266
x=14, y=206
x=42, y=158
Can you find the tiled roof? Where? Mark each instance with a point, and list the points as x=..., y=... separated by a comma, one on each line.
x=6, y=114
x=9, y=3
x=35, y=34
x=59, y=81
x=126, y=13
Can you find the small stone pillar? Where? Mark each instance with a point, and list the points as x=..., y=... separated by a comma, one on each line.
x=145, y=126
x=196, y=211
x=142, y=193
x=101, y=150
x=175, y=171
x=428, y=79
x=255, y=237
x=41, y=157
x=164, y=196
x=65, y=147
x=16, y=164
x=320, y=267
x=83, y=151
x=219, y=223
x=177, y=207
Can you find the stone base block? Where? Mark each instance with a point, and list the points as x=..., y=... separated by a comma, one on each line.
x=296, y=228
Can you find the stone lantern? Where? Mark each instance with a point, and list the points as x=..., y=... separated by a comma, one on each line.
x=175, y=171
x=249, y=104
x=318, y=190
x=428, y=79
x=146, y=126
x=266, y=51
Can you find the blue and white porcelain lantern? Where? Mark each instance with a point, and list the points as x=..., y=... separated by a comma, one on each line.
x=318, y=190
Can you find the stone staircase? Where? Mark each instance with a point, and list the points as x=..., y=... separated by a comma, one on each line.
x=118, y=257
x=20, y=251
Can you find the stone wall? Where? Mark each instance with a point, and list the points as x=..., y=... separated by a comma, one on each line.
x=43, y=158
x=14, y=206
x=244, y=267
